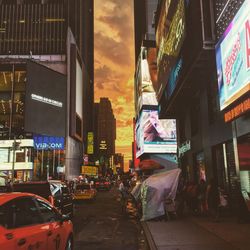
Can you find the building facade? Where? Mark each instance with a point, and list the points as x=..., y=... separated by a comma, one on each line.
x=213, y=139
x=43, y=68
x=105, y=131
x=154, y=138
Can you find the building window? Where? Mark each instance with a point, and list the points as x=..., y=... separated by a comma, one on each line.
x=12, y=96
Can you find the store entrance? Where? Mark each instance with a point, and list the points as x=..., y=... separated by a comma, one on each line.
x=49, y=164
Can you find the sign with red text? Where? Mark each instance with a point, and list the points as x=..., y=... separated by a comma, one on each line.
x=237, y=111
x=233, y=58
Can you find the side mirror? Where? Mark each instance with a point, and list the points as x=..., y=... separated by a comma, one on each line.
x=64, y=218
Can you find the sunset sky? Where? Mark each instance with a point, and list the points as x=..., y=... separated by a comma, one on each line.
x=114, y=65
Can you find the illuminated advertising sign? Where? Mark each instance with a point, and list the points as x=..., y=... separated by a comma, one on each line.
x=48, y=142
x=90, y=170
x=103, y=145
x=90, y=143
x=45, y=101
x=154, y=135
x=173, y=77
x=233, y=58
x=145, y=90
x=170, y=43
x=136, y=160
x=238, y=110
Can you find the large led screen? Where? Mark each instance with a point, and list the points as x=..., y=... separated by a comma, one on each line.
x=154, y=135
x=45, y=101
x=233, y=58
x=169, y=43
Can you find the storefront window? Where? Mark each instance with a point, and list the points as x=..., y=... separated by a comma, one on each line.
x=12, y=95
x=244, y=160
x=200, y=166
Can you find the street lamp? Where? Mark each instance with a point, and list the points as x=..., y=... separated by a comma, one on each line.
x=15, y=146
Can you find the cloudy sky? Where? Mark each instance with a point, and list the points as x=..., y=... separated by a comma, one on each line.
x=114, y=65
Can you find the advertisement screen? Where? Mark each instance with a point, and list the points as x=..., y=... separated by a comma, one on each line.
x=144, y=86
x=233, y=58
x=154, y=135
x=169, y=45
x=45, y=101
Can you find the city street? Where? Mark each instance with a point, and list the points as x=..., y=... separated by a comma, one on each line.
x=101, y=224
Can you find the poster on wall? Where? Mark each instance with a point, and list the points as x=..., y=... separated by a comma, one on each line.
x=233, y=58
x=154, y=135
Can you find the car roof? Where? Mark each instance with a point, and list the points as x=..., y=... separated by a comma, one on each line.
x=56, y=181
x=40, y=188
x=5, y=197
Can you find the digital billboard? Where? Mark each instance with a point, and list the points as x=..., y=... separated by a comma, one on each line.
x=154, y=135
x=233, y=58
x=45, y=101
x=170, y=43
x=144, y=87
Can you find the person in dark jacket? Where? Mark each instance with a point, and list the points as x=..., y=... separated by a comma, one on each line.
x=213, y=199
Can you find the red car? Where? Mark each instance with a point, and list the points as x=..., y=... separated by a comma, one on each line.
x=28, y=221
x=103, y=184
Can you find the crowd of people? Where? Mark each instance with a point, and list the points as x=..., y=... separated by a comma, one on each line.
x=205, y=199
x=202, y=199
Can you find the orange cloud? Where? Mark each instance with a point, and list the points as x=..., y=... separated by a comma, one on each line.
x=114, y=65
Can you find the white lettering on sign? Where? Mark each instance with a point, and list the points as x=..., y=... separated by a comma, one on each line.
x=46, y=100
x=184, y=148
x=49, y=145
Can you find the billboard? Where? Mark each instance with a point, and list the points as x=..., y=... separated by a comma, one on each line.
x=45, y=101
x=154, y=135
x=144, y=87
x=169, y=42
x=233, y=58
x=48, y=142
x=90, y=143
x=89, y=170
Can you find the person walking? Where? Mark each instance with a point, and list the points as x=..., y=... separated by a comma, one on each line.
x=124, y=194
x=202, y=203
x=213, y=199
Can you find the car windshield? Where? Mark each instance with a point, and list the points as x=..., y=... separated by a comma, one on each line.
x=82, y=187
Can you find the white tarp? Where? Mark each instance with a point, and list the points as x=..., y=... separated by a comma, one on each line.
x=155, y=190
x=136, y=191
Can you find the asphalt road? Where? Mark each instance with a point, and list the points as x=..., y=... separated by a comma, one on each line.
x=102, y=224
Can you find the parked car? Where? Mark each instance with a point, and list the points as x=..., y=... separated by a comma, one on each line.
x=84, y=191
x=28, y=221
x=55, y=191
x=103, y=184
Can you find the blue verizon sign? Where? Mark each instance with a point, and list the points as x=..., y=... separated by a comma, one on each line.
x=48, y=142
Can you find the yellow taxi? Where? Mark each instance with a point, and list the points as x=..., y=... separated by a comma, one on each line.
x=28, y=221
x=84, y=191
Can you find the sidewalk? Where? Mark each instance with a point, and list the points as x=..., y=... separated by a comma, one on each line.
x=197, y=233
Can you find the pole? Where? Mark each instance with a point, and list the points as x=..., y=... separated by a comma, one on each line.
x=13, y=160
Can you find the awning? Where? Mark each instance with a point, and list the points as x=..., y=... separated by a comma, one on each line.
x=150, y=164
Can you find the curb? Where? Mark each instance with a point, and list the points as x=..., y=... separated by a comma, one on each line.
x=148, y=236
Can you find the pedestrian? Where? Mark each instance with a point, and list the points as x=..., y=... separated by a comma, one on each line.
x=192, y=197
x=124, y=194
x=201, y=192
x=213, y=199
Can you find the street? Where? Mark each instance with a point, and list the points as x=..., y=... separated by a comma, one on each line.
x=101, y=224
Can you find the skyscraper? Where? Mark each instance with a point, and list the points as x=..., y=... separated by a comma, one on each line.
x=105, y=129
x=46, y=63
